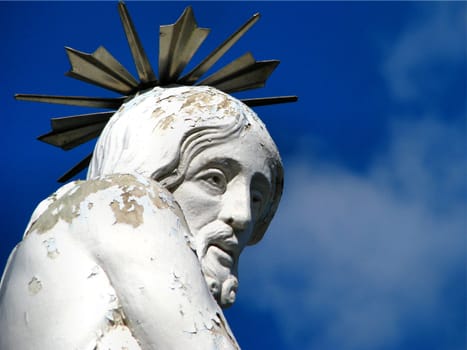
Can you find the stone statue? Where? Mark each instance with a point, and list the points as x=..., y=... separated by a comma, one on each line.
x=181, y=180
x=144, y=253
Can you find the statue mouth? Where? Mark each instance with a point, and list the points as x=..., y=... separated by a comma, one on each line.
x=218, y=241
x=224, y=255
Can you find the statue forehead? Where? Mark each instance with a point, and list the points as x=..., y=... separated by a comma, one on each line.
x=147, y=132
x=192, y=103
x=163, y=113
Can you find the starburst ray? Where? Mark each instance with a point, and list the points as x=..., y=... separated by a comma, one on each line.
x=238, y=65
x=91, y=69
x=76, y=169
x=264, y=101
x=69, y=139
x=98, y=102
x=177, y=44
x=117, y=68
x=77, y=121
x=145, y=71
x=215, y=55
x=250, y=77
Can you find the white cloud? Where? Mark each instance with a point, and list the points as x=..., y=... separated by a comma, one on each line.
x=416, y=63
x=364, y=257
x=364, y=261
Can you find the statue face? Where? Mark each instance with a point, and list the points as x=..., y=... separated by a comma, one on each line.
x=225, y=190
x=222, y=190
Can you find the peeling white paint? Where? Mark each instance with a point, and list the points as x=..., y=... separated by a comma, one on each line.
x=125, y=272
x=34, y=285
x=118, y=338
x=52, y=250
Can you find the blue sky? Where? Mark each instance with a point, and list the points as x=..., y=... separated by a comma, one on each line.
x=367, y=250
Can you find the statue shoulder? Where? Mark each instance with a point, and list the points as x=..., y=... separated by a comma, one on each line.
x=121, y=198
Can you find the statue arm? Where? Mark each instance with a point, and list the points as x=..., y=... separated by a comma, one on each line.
x=137, y=235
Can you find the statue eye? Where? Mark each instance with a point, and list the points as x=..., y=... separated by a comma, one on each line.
x=214, y=180
x=256, y=197
x=257, y=201
x=260, y=193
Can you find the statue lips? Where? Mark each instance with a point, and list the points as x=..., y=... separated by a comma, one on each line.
x=219, y=241
x=224, y=256
x=226, y=249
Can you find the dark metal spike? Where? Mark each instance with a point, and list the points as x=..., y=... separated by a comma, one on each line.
x=69, y=139
x=250, y=78
x=76, y=169
x=145, y=71
x=264, y=101
x=105, y=57
x=87, y=68
x=166, y=34
x=238, y=65
x=97, y=102
x=77, y=121
x=177, y=44
x=215, y=55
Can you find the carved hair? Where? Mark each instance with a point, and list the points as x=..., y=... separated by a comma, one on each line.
x=158, y=133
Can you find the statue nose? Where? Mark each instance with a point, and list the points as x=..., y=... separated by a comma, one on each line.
x=236, y=209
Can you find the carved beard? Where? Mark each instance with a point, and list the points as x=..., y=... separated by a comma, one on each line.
x=219, y=269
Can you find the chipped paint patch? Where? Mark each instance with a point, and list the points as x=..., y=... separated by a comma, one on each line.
x=118, y=338
x=126, y=208
x=45, y=204
x=52, y=250
x=129, y=212
x=115, y=317
x=34, y=286
x=166, y=122
x=67, y=207
x=160, y=197
x=157, y=201
x=115, y=333
x=157, y=112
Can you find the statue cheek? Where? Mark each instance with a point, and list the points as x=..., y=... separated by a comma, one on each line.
x=202, y=211
x=198, y=206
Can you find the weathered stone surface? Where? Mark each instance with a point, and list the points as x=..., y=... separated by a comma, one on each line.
x=145, y=252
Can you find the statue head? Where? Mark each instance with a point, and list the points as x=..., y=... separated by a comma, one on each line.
x=217, y=158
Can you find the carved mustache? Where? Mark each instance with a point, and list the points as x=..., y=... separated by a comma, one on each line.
x=219, y=234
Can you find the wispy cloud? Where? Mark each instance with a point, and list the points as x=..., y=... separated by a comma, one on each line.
x=376, y=260
x=366, y=258
x=416, y=64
